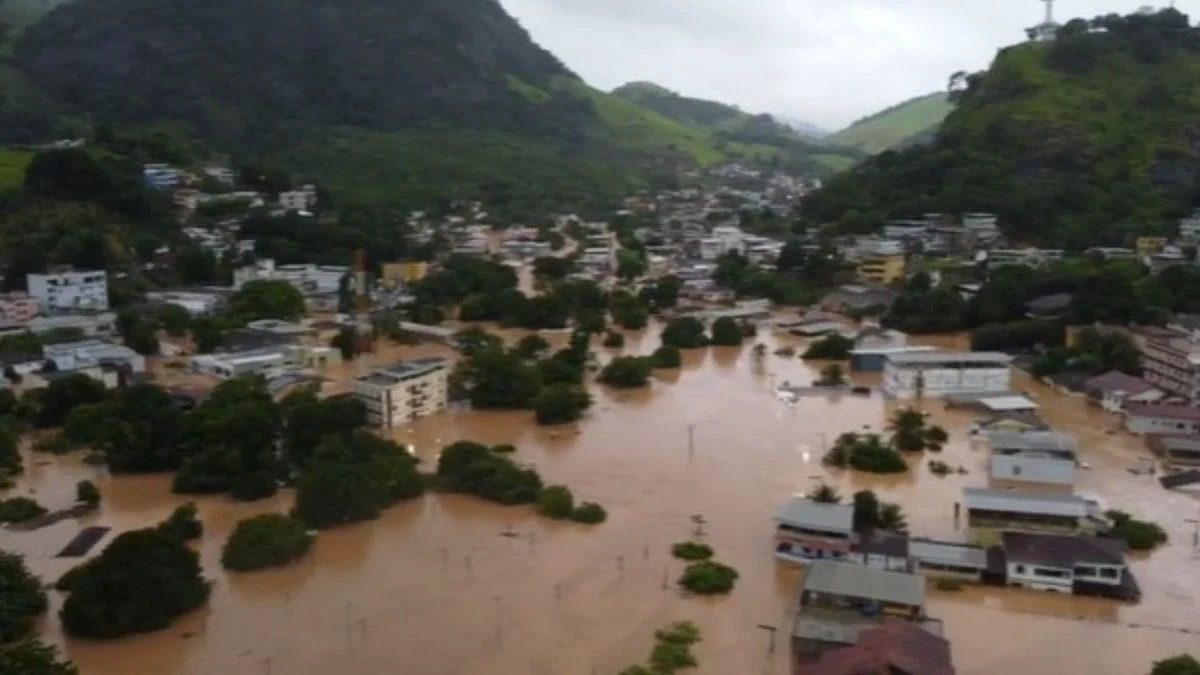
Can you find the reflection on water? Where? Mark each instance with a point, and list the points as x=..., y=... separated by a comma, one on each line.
x=448, y=584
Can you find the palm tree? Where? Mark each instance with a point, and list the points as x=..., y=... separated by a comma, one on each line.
x=891, y=518
x=825, y=494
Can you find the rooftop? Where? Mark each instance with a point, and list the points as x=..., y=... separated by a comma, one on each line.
x=947, y=553
x=1174, y=412
x=894, y=647
x=1115, y=381
x=805, y=513
x=932, y=358
x=1014, y=502
x=860, y=581
x=403, y=370
x=1007, y=442
x=1062, y=550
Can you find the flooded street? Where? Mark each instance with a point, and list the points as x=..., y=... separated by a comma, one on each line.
x=453, y=585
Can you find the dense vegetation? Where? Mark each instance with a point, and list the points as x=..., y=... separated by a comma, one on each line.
x=831, y=348
x=691, y=550
x=1184, y=664
x=911, y=432
x=672, y=651
x=139, y=583
x=1079, y=142
x=353, y=477
x=865, y=452
x=708, y=577
x=22, y=599
x=269, y=540
x=1138, y=535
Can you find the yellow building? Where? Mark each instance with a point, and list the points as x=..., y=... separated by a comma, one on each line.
x=396, y=273
x=883, y=270
x=1147, y=246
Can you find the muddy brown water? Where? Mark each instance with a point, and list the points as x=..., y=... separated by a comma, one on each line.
x=453, y=585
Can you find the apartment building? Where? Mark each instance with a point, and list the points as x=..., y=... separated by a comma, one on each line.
x=18, y=307
x=1170, y=362
x=405, y=391
x=934, y=374
x=68, y=291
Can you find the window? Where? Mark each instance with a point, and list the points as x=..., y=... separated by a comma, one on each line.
x=1020, y=569
x=1016, y=471
x=1108, y=573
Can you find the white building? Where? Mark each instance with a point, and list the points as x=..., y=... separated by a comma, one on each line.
x=268, y=361
x=91, y=354
x=935, y=374
x=68, y=291
x=196, y=304
x=304, y=199
x=306, y=278
x=1061, y=563
x=1039, y=459
x=404, y=391
x=1189, y=228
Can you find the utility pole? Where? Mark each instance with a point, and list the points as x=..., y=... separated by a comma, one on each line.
x=772, y=630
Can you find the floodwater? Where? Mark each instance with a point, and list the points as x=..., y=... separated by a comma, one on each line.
x=453, y=585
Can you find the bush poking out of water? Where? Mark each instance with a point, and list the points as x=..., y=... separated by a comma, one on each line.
x=182, y=524
x=865, y=453
x=21, y=598
x=692, y=550
x=1139, y=535
x=667, y=358
x=672, y=651
x=949, y=584
x=614, y=340
x=19, y=510
x=589, y=513
x=1184, y=664
x=708, y=577
x=504, y=449
x=556, y=501
x=87, y=492
x=269, y=540
x=939, y=468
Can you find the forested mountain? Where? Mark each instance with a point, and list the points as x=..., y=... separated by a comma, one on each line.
x=730, y=123
x=915, y=120
x=1082, y=141
x=398, y=101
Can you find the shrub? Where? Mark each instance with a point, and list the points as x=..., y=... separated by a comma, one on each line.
x=504, y=449
x=939, y=468
x=474, y=469
x=830, y=348
x=269, y=540
x=684, y=334
x=627, y=372
x=19, y=510
x=556, y=501
x=182, y=524
x=667, y=358
x=87, y=492
x=1184, y=664
x=672, y=650
x=865, y=453
x=708, y=578
x=614, y=340
x=139, y=583
x=691, y=550
x=589, y=513
x=561, y=404
x=32, y=657
x=1139, y=535
x=727, y=333
x=832, y=375
x=21, y=598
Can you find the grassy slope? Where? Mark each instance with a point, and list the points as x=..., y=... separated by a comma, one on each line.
x=890, y=128
x=12, y=167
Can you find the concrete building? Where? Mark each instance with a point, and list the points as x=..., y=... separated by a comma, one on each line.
x=808, y=530
x=881, y=551
x=162, y=177
x=266, y=361
x=1044, y=461
x=195, y=303
x=1177, y=452
x=1063, y=564
x=403, y=392
x=102, y=324
x=303, y=200
x=936, y=374
x=1170, y=361
x=894, y=648
x=1189, y=227
x=1113, y=390
x=70, y=291
x=18, y=307
x=1143, y=418
x=882, y=270
x=307, y=279
x=93, y=353
x=1000, y=510
x=948, y=559
x=396, y=274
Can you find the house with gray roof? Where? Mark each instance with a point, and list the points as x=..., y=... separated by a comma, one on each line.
x=1114, y=389
x=1005, y=510
x=808, y=530
x=1067, y=564
x=1041, y=460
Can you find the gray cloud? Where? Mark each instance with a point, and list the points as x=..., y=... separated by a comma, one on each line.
x=826, y=61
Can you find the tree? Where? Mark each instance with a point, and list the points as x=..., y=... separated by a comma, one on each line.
x=561, y=403
x=22, y=599
x=1184, y=664
x=865, y=453
x=589, y=513
x=32, y=657
x=139, y=583
x=871, y=514
x=10, y=453
x=350, y=480
x=87, y=492
x=686, y=333
x=667, y=358
x=630, y=264
x=708, y=577
x=727, y=333
x=269, y=540
x=910, y=433
x=346, y=342
x=495, y=378
x=267, y=299
x=552, y=268
x=174, y=319
x=307, y=420
x=1138, y=535
x=232, y=434
x=138, y=333
x=832, y=375
x=532, y=346
x=182, y=524
x=141, y=430
x=63, y=395
x=20, y=509
x=830, y=348
x=69, y=175
x=825, y=494
x=473, y=468
x=556, y=501
x=627, y=372
x=614, y=340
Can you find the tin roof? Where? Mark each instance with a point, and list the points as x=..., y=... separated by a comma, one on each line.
x=1013, y=502
x=860, y=581
x=806, y=513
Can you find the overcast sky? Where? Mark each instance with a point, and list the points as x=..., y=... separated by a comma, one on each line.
x=826, y=61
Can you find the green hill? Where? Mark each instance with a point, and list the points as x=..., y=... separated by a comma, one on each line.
x=1083, y=141
x=732, y=124
x=895, y=126
x=384, y=101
